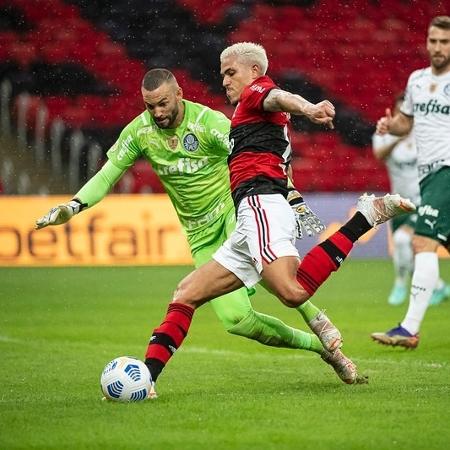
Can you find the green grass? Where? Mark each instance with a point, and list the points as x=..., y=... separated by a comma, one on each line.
x=59, y=327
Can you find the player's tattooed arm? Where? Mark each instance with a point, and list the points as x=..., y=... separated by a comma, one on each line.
x=278, y=100
x=320, y=113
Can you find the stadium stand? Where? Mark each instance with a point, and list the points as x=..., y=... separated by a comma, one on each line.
x=321, y=49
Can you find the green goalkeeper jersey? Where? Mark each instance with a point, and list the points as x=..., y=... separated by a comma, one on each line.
x=190, y=160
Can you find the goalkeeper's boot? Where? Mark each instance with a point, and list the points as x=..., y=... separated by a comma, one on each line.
x=378, y=210
x=440, y=295
x=398, y=336
x=398, y=294
x=328, y=334
x=344, y=367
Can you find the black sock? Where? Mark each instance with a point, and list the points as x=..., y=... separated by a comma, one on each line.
x=356, y=227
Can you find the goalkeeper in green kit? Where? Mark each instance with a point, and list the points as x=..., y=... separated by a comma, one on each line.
x=187, y=145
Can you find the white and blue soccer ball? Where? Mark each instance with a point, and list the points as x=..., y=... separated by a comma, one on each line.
x=126, y=379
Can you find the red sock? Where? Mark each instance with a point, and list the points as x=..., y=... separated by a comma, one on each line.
x=323, y=259
x=168, y=337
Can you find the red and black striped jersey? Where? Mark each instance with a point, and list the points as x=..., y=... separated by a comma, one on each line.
x=260, y=147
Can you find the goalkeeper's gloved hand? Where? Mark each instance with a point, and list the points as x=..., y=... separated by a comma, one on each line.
x=305, y=218
x=60, y=214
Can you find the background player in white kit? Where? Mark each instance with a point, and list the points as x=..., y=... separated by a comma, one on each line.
x=400, y=155
x=427, y=107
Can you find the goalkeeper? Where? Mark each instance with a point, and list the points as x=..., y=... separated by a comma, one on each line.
x=187, y=145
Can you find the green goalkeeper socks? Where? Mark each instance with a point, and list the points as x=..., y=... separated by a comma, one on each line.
x=271, y=331
x=308, y=311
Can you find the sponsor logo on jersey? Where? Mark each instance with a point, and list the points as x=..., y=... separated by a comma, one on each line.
x=430, y=223
x=190, y=142
x=257, y=88
x=196, y=127
x=221, y=136
x=145, y=130
x=207, y=218
x=124, y=146
x=432, y=107
x=427, y=210
x=184, y=165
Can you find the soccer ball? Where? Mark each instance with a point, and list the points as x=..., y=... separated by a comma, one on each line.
x=126, y=379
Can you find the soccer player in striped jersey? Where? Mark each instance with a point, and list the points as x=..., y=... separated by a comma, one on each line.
x=187, y=145
x=427, y=108
x=262, y=245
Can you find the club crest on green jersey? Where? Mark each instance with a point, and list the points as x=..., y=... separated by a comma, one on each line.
x=190, y=142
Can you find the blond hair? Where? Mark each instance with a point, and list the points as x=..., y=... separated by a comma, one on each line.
x=248, y=52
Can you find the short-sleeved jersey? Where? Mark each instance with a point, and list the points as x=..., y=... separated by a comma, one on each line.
x=401, y=165
x=427, y=99
x=260, y=147
x=190, y=160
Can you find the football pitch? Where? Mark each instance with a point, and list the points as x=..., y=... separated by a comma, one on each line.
x=60, y=326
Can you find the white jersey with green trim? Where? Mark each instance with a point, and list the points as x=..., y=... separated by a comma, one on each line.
x=427, y=99
x=401, y=164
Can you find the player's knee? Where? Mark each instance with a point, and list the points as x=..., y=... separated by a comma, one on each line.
x=293, y=295
x=186, y=294
x=423, y=244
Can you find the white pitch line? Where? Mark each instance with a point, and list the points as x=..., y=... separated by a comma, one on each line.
x=297, y=356
x=10, y=339
x=294, y=355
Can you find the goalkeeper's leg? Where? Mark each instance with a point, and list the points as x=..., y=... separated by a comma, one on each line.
x=235, y=312
x=238, y=317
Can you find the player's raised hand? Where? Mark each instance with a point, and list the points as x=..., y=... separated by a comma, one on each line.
x=59, y=214
x=384, y=123
x=322, y=113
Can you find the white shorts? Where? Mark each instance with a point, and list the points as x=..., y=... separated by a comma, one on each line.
x=265, y=231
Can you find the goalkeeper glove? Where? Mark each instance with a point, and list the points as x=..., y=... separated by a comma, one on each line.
x=304, y=217
x=60, y=214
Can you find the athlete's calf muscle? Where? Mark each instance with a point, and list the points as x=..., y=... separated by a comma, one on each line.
x=205, y=283
x=280, y=277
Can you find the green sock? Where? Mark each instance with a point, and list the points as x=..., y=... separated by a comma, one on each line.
x=308, y=341
x=308, y=311
x=271, y=331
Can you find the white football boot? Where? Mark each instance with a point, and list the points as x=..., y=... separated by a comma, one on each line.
x=328, y=334
x=344, y=367
x=378, y=210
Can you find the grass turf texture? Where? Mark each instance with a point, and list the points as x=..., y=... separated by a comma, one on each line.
x=59, y=327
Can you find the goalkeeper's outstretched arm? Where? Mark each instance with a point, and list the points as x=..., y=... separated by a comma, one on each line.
x=90, y=194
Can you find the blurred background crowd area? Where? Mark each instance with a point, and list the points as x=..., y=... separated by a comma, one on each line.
x=70, y=74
